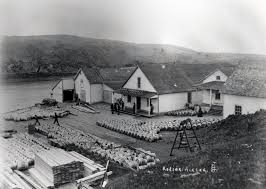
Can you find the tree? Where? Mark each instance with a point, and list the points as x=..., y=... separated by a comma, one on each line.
x=35, y=56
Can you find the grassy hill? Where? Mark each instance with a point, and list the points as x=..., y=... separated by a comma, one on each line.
x=66, y=53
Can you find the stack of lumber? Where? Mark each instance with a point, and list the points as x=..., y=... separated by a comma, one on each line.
x=58, y=166
x=90, y=167
x=10, y=180
x=19, y=151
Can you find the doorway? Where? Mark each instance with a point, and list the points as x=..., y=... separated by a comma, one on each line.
x=138, y=103
x=189, y=97
x=68, y=95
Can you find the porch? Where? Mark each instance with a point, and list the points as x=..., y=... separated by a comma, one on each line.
x=139, y=102
x=211, y=93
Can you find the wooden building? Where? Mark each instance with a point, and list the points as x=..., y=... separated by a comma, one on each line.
x=245, y=91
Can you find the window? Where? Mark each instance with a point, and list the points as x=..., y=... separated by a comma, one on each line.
x=218, y=77
x=81, y=83
x=148, y=102
x=238, y=110
x=139, y=82
x=217, y=96
x=128, y=98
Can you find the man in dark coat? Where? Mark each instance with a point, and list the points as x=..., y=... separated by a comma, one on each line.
x=152, y=108
x=123, y=105
x=200, y=113
x=134, y=108
x=118, y=109
x=56, y=119
x=112, y=108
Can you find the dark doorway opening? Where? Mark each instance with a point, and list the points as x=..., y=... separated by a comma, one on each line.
x=68, y=95
x=189, y=97
x=138, y=103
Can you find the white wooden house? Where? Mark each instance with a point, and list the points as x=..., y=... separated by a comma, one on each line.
x=245, y=91
x=88, y=85
x=209, y=88
x=98, y=85
x=162, y=85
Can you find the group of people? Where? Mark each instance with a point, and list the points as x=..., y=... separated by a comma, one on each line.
x=118, y=106
x=55, y=119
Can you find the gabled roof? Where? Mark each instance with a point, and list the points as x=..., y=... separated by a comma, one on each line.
x=166, y=78
x=64, y=78
x=91, y=74
x=247, y=81
x=114, y=84
x=116, y=74
x=112, y=77
x=198, y=72
x=215, y=85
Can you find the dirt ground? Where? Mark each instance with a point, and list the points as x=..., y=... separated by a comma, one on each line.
x=87, y=123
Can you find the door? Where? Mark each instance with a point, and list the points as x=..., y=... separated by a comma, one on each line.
x=138, y=103
x=83, y=95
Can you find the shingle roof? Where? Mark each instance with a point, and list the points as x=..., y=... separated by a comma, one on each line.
x=198, y=72
x=166, y=78
x=171, y=78
x=112, y=77
x=91, y=74
x=215, y=85
x=116, y=74
x=248, y=81
x=114, y=84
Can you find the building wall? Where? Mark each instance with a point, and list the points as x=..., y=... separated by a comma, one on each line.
x=79, y=87
x=173, y=101
x=132, y=83
x=206, y=98
x=58, y=92
x=68, y=84
x=212, y=77
x=197, y=97
x=248, y=104
x=96, y=93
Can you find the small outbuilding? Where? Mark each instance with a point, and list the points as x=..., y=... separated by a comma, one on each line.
x=63, y=90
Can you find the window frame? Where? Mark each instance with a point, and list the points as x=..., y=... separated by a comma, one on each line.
x=139, y=82
x=219, y=94
x=129, y=99
x=238, y=110
x=218, y=77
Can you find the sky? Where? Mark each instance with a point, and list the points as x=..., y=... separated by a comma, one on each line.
x=237, y=26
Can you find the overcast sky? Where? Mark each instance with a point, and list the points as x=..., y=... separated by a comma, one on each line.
x=237, y=26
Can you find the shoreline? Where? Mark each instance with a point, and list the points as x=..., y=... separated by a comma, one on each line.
x=32, y=77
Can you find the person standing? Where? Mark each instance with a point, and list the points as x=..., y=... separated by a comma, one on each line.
x=200, y=113
x=134, y=108
x=36, y=120
x=56, y=119
x=152, y=108
x=118, y=109
x=123, y=105
x=112, y=108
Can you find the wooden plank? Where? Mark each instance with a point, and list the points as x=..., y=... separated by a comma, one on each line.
x=28, y=179
x=94, y=177
x=41, y=178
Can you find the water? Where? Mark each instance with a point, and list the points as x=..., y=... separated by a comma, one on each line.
x=23, y=94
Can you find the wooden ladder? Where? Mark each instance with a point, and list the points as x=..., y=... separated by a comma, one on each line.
x=184, y=138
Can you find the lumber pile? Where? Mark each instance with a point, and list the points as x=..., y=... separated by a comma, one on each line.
x=10, y=180
x=58, y=166
x=90, y=167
